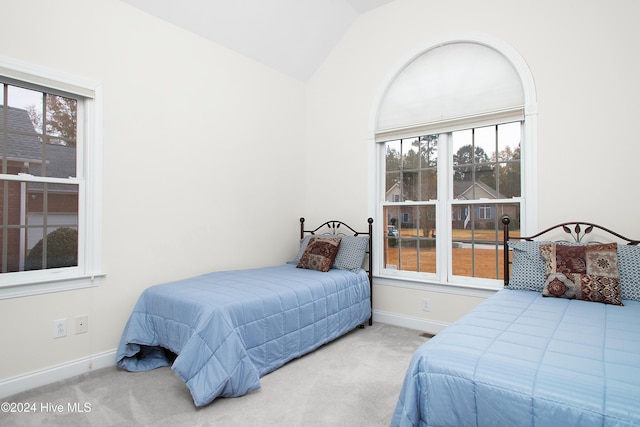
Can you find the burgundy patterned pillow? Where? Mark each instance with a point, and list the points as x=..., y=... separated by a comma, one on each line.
x=586, y=272
x=320, y=253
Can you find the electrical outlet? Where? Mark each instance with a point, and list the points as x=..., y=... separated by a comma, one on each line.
x=82, y=324
x=426, y=304
x=59, y=328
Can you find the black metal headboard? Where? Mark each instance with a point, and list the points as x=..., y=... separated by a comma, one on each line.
x=340, y=228
x=577, y=230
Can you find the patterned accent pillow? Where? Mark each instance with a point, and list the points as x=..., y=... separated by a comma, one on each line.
x=319, y=254
x=629, y=266
x=585, y=272
x=351, y=253
x=303, y=245
x=528, y=267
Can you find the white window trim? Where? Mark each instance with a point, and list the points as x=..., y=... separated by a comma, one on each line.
x=528, y=149
x=89, y=273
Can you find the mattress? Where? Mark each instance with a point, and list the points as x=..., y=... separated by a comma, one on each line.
x=230, y=328
x=520, y=359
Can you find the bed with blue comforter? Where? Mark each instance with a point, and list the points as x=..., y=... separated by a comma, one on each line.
x=229, y=328
x=523, y=358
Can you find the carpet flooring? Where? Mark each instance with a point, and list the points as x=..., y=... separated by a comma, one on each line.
x=352, y=381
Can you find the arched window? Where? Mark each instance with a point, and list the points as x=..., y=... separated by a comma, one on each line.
x=455, y=151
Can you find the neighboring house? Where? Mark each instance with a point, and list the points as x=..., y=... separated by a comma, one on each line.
x=394, y=194
x=484, y=214
x=24, y=218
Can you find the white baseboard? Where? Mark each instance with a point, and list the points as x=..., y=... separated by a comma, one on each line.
x=425, y=325
x=73, y=368
x=35, y=379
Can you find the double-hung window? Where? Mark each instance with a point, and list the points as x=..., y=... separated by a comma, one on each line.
x=49, y=182
x=450, y=135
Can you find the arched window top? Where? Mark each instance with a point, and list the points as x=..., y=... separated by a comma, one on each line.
x=460, y=94
x=447, y=85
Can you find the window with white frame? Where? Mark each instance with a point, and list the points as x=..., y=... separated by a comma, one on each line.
x=49, y=182
x=450, y=135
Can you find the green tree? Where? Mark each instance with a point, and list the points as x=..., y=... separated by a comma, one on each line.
x=429, y=151
x=393, y=164
x=470, y=159
x=509, y=172
x=62, y=250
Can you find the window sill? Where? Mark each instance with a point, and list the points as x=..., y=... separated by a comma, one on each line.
x=482, y=291
x=50, y=286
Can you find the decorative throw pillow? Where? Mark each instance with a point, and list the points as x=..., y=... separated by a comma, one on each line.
x=303, y=246
x=629, y=266
x=319, y=254
x=585, y=272
x=351, y=253
x=528, y=267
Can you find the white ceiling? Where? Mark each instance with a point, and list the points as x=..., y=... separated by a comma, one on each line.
x=292, y=36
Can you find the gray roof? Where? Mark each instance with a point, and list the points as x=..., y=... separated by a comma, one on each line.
x=462, y=188
x=24, y=145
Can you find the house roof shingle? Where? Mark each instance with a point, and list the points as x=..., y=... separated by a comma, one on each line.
x=24, y=145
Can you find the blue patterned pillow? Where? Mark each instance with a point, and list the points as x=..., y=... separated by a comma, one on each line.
x=303, y=245
x=351, y=253
x=629, y=270
x=528, y=268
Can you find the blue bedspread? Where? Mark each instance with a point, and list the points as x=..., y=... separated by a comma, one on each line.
x=520, y=359
x=230, y=328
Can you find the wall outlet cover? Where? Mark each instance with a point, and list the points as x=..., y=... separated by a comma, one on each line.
x=59, y=328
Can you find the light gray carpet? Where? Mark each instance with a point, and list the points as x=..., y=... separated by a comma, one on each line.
x=353, y=381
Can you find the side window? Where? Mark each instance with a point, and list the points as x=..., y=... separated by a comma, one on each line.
x=49, y=182
x=38, y=190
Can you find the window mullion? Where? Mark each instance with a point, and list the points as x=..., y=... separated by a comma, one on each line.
x=5, y=228
x=443, y=210
x=45, y=222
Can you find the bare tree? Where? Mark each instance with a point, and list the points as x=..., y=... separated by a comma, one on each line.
x=61, y=119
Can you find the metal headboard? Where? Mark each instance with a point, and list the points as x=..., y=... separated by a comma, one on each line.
x=336, y=227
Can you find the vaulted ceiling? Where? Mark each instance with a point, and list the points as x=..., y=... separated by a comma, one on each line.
x=292, y=36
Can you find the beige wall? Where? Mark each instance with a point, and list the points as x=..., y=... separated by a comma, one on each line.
x=188, y=126
x=200, y=147
x=582, y=58
x=403, y=305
